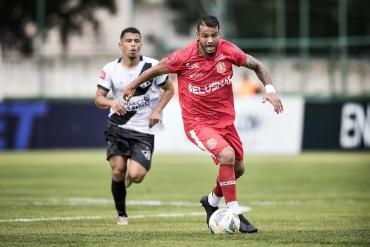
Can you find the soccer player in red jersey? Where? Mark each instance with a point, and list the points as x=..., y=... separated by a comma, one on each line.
x=204, y=71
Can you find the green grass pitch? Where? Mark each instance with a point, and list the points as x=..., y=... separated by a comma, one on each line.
x=62, y=198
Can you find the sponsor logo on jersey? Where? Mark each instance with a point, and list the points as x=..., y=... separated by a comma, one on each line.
x=211, y=143
x=196, y=75
x=192, y=66
x=146, y=84
x=146, y=97
x=137, y=103
x=221, y=67
x=102, y=75
x=214, y=86
x=147, y=154
x=170, y=58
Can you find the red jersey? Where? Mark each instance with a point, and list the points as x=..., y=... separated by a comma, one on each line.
x=204, y=83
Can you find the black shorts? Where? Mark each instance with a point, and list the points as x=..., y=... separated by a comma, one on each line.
x=131, y=144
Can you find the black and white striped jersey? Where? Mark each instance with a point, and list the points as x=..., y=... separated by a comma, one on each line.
x=114, y=77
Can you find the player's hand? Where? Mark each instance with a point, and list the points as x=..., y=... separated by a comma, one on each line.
x=275, y=101
x=154, y=118
x=118, y=108
x=128, y=92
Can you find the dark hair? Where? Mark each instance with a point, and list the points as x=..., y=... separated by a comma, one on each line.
x=208, y=20
x=129, y=30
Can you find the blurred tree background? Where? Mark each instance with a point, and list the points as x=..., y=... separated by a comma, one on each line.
x=240, y=19
x=256, y=19
x=20, y=19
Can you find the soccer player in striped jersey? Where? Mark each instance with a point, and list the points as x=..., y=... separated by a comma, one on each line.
x=129, y=133
x=204, y=71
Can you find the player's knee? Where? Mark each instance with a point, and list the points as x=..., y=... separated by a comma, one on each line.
x=137, y=177
x=227, y=156
x=239, y=171
x=137, y=172
x=117, y=174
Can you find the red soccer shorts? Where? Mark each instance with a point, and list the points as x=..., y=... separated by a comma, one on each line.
x=213, y=141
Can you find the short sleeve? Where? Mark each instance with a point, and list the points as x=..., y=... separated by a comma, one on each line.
x=104, y=79
x=160, y=80
x=238, y=57
x=174, y=61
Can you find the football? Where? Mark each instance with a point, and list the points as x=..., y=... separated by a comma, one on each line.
x=224, y=221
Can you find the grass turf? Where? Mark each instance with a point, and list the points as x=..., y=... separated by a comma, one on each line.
x=312, y=199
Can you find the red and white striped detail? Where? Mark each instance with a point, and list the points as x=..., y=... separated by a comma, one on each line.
x=226, y=183
x=198, y=142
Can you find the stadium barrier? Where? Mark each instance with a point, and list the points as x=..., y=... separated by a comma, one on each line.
x=341, y=124
x=337, y=124
x=39, y=124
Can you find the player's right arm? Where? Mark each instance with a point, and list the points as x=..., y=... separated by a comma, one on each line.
x=102, y=102
x=264, y=76
x=105, y=84
x=148, y=74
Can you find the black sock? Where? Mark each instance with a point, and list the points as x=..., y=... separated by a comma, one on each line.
x=119, y=196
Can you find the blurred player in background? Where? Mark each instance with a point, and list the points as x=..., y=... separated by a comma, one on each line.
x=247, y=86
x=204, y=71
x=129, y=133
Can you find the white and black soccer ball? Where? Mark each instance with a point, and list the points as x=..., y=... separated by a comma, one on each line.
x=224, y=221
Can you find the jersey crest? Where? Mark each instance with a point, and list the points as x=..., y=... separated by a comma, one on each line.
x=221, y=67
x=212, y=143
x=147, y=154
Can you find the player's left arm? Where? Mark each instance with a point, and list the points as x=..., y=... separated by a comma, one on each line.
x=168, y=92
x=264, y=76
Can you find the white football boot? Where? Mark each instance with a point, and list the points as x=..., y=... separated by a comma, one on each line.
x=122, y=220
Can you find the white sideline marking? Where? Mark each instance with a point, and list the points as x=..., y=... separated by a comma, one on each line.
x=160, y=203
x=102, y=201
x=146, y=203
x=76, y=201
x=52, y=219
x=162, y=215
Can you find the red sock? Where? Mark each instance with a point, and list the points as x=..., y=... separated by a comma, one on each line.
x=226, y=179
x=217, y=189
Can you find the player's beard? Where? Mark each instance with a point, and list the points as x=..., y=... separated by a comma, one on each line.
x=209, y=50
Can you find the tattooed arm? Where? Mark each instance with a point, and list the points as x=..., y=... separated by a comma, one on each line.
x=264, y=76
x=260, y=70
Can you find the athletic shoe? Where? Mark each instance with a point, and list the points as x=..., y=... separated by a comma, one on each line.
x=246, y=226
x=122, y=220
x=127, y=180
x=209, y=209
